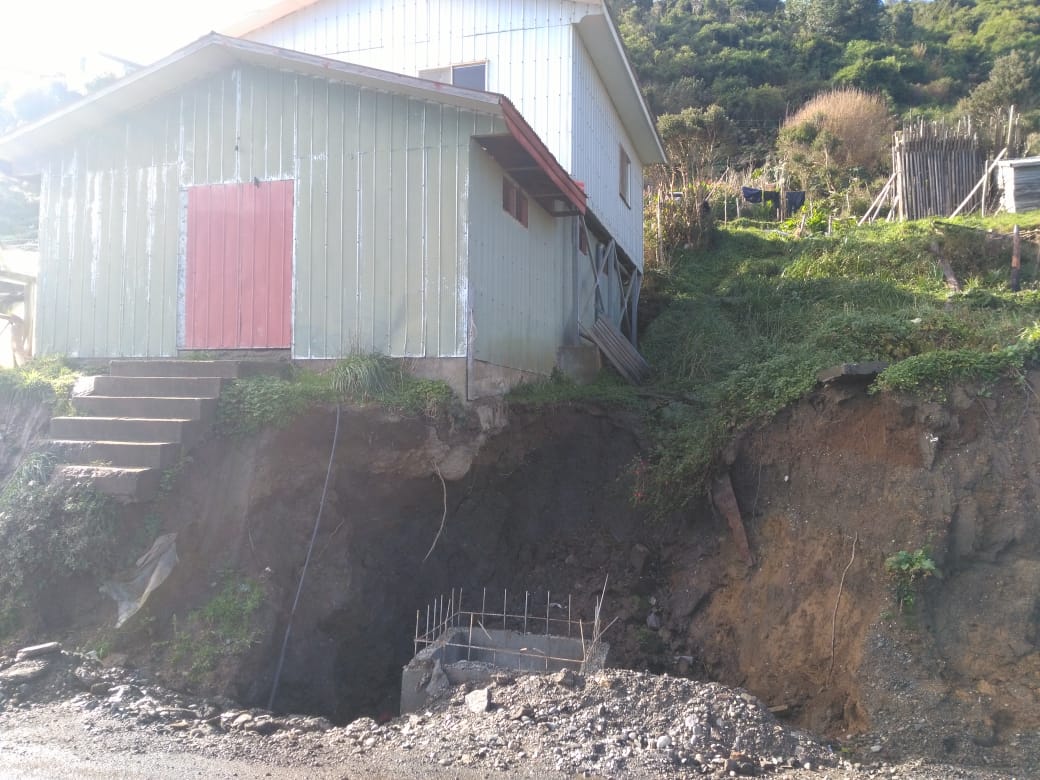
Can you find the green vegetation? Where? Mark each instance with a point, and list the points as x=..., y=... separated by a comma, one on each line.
x=907, y=569
x=559, y=388
x=384, y=381
x=803, y=95
x=747, y=63
x=221, y=627
x=248, y=405
x=50, y=530
x=745, y=327
x=47, y=379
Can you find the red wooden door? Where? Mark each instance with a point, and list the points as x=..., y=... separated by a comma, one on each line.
x=238, y=278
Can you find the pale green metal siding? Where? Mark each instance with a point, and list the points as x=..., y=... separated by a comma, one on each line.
x=381, y=229
x=380, y=217
x=111, y=213
x=521, y=279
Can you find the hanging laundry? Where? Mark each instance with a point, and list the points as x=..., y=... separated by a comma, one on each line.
x=771, y=197
x=751, y=195
x=795, y=200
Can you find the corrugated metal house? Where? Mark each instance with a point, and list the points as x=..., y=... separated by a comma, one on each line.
x=560, y=62
x=1019, y=184
x=241, y=196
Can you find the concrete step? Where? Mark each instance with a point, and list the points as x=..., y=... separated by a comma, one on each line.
x=122, y=454
x=145, y=406
x=129, y=484
x=154, y=386
x=226, y=369
x=141, y=429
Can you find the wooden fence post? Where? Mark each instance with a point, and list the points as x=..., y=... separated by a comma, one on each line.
x=1016, y=259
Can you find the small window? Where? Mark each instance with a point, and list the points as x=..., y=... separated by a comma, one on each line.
x=469, y=76
x=624, y=176
x=514, y=202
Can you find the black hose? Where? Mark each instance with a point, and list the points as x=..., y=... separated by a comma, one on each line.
x=306, y=563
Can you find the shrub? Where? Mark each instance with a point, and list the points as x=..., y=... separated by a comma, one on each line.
x=51, y=529
x=907, y=569
x=835, y=135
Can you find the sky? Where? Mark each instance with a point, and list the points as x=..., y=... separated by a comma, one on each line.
x=41, y=38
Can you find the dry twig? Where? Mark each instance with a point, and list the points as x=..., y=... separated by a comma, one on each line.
x=834, y=616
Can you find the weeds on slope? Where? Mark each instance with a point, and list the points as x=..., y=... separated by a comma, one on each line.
x=746, y=326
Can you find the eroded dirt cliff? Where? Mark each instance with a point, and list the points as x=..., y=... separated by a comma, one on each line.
x=540, y=500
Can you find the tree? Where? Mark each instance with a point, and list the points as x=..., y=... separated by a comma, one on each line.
x=698, y=141
x=1009, y=84
x=842, y=20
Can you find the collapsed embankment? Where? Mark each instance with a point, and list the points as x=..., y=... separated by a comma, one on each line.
x=540, y=500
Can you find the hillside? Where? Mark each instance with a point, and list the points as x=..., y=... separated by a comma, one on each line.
x=759, y=60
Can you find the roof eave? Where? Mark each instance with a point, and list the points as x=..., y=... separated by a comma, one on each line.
x=203, y=57
x=608, y=54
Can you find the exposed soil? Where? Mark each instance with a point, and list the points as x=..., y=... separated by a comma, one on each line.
x=539, y=501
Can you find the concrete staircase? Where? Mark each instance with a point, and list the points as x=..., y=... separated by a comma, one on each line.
x=141, y=419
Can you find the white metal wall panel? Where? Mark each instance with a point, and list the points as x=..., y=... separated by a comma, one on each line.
x=598, y=135
x=527, y=45
x=521, y=279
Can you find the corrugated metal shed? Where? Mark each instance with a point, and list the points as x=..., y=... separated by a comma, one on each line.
x=395, y=209
x=1019, y=184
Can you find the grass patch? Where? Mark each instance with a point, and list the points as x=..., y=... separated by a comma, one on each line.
x=559, y=388
x=249, y=405
x=49, y=380
x=223, y=626
x=369, y=378
x=747, y=326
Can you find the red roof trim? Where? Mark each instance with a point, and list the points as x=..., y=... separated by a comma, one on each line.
x=532, y=144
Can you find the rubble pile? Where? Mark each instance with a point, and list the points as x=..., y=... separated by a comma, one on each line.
x=612, y=723
x=608, y=723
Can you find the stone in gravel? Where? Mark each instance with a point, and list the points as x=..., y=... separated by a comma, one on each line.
x=122, y=693
x=22, y=672
x=664, y=742
x=263, y=726
x=100, y=689
x=37, y=650
x=565, y=677
x=519, y=711
x=241, y=721
x=479, y=700
x=742, y=768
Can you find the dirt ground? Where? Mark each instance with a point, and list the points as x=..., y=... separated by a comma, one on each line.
x=538, y=501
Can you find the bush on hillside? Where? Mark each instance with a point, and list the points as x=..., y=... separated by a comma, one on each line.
x=837, y=135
